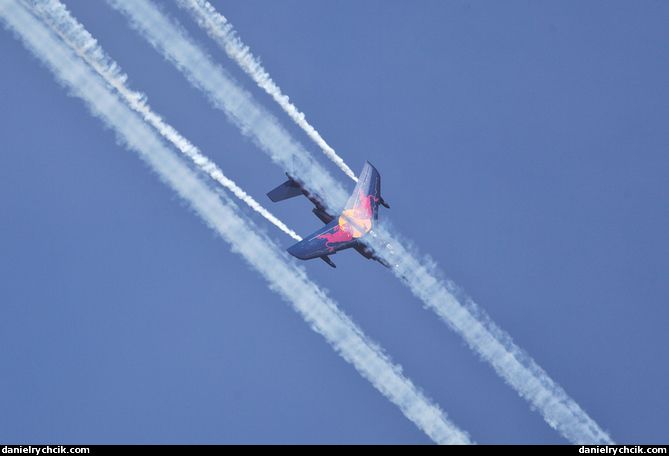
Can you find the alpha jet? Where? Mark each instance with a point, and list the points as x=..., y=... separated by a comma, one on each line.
x=346, y=230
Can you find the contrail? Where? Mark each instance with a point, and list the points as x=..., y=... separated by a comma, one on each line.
x=493, y=345
x=481, y=334
x=222, y=32
x=222, y=215
x=226, y=94
x=59, y=19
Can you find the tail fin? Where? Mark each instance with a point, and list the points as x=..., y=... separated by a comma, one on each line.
x=288, y=189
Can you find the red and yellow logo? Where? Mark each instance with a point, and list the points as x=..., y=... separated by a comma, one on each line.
x=353, y=223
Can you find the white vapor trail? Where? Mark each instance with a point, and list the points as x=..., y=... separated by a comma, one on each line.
x=222, y=32
x=59, y=19
x=491, y=343
x=222, y=215
x=225, y=94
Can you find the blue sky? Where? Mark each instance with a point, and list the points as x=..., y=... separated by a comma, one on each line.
x=522, y=146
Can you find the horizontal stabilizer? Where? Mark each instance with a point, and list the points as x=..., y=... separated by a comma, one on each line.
x=288, y=189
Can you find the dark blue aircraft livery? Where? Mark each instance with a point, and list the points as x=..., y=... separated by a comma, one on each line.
x=344, y=231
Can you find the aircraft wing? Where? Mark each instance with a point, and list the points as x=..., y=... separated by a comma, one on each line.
x=326, y=241
x=367, y=194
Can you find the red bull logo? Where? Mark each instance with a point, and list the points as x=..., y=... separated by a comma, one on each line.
x=353, y=223
x=338, y=235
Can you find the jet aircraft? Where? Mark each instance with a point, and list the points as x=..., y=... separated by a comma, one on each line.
x=348, y=229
